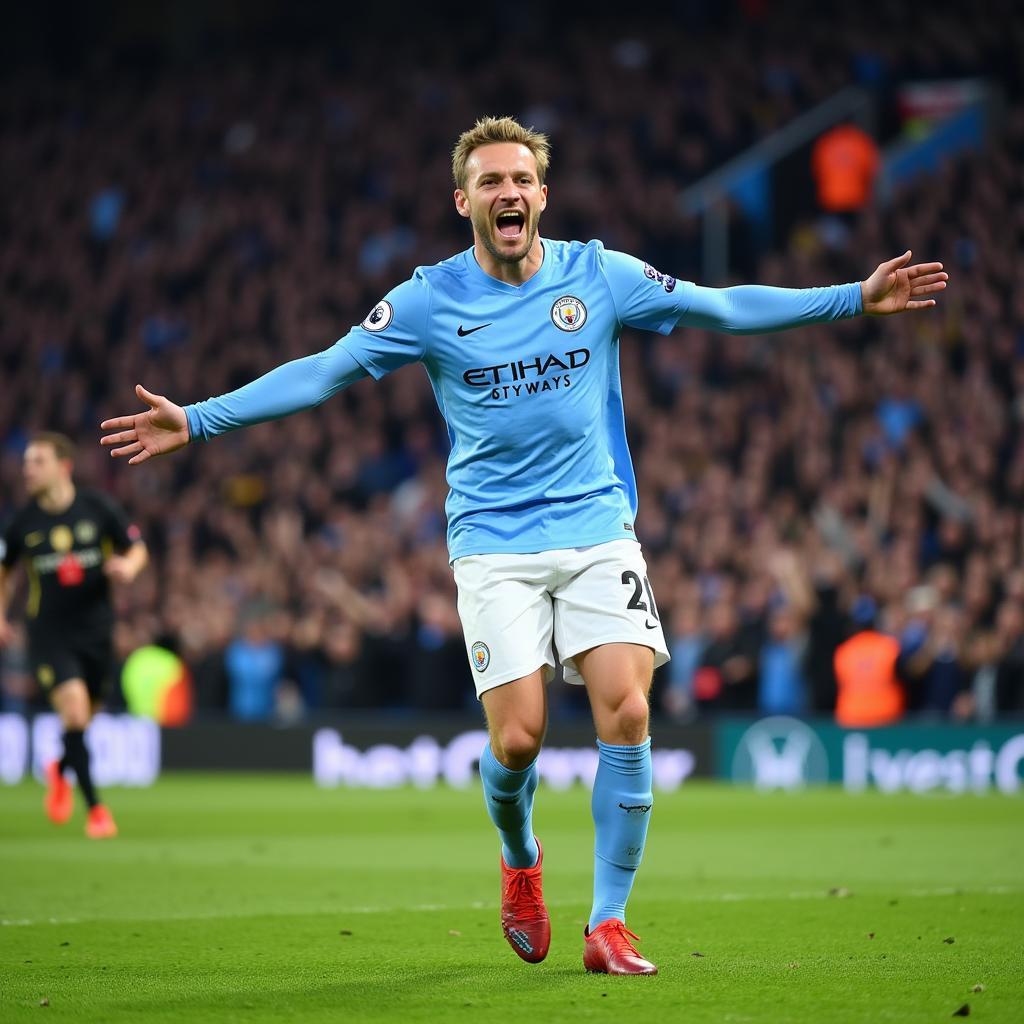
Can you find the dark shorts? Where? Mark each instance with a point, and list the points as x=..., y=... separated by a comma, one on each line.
x=55, y=662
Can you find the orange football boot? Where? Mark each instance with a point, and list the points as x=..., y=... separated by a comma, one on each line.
x=59, y=801
x=524, y=918
x=609, y=949
x=100, y=824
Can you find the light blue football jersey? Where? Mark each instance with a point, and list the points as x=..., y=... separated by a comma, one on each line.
x=527, y=379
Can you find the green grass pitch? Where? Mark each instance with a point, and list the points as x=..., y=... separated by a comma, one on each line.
x=267, y=899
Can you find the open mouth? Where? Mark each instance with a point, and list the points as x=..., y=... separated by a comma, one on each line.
x=511, y=223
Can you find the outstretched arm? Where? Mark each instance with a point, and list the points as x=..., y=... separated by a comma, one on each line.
x=166, y=427
x=894, y=287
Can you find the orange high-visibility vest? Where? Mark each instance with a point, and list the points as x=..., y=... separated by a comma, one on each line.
x=844, y=163
x=869, y=692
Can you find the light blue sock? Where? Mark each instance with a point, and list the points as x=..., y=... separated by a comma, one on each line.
x=509, y=798
x=621, y=805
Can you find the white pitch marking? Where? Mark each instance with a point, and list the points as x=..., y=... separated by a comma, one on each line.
x=430, y=908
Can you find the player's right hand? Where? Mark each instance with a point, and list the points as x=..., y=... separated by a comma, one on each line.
x=160, y=430
x=6, y=632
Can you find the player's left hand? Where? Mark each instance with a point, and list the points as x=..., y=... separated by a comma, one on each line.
x=895, y=287
x=161, y=429
x=119, y=569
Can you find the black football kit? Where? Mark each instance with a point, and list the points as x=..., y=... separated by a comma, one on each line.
x=70, y=617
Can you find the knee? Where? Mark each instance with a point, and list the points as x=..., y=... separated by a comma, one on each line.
x=73, y=705
x=76, y=719
x=517, y=744
x=630, y=718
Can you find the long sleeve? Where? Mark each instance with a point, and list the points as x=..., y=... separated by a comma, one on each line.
x=289, y=388
x=757, y=309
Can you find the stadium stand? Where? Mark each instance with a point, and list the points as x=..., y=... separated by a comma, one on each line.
x=190, y=223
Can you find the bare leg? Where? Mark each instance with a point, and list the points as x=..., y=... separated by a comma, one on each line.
x=517, y=718
x=618, y=678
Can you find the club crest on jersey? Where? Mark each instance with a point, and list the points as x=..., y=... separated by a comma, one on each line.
x=568, y=313
x=380, y=316
x=481, y=655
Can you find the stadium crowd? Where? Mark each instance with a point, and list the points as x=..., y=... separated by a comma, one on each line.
x=190, y=227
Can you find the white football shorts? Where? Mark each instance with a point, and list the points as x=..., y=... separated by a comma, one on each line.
x=518, y=610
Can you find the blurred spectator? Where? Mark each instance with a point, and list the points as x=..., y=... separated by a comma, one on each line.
x=845, y=162
x=1008, y=658
x=304, y=659
x=686, y=648
x=346, y=680
x=726, y=676
x=869, y=690
x=17, y=686
x=938, y=673
x=254, y=662
x=782, y=688
x=826, y=630
x=438, y=669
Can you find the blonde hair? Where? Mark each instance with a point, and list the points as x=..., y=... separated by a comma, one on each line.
x=488, y=130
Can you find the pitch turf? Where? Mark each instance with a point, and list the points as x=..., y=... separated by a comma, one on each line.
x=266, y=899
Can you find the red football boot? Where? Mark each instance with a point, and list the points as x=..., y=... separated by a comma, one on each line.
x=59, y=801
x=609, y=949
x=100, y=824
x=524, y=918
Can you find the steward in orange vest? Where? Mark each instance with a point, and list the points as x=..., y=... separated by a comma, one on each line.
x=869, y=689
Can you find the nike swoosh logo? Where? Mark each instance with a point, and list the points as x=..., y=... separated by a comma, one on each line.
x=472, y=330
x=649, y=626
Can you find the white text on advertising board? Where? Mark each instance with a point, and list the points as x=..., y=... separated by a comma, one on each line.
x=425, y=763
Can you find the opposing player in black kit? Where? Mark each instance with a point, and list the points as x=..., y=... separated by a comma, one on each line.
x=73, y=542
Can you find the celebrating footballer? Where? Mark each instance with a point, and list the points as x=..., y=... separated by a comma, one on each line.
x=519, y=335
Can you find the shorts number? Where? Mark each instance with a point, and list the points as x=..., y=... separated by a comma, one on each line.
x=636, y=600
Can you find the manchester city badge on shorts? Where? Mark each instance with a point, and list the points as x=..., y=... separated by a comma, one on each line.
x=380, y=316
x=480, y=653
x=568, y=313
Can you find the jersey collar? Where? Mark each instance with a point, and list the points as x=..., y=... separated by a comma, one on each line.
x=483, y=278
